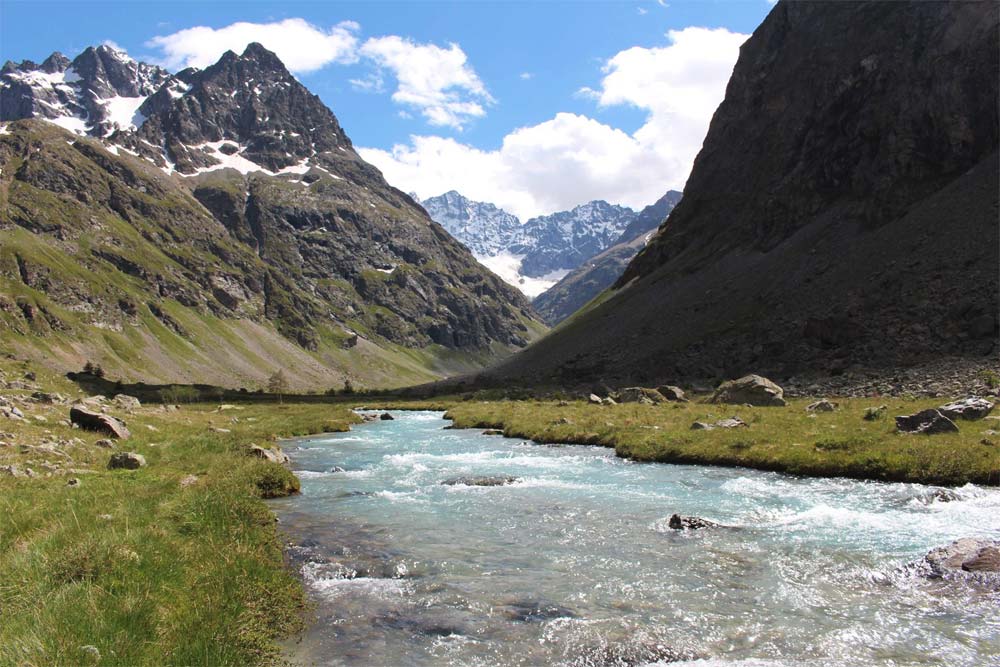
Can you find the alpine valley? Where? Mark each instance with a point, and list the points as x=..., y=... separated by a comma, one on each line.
x=216, y=225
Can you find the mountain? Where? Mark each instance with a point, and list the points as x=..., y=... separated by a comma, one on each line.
x=598, y=273
x=227, y=229
x=841, y=215
x=532, y=256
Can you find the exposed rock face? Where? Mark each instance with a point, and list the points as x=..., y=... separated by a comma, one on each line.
x=751, y=390
x=968, y=408
x=480, y=226
x=96, y=421
x=598, y=273
x=842, y=210
x=928, y=422
x=269, y=218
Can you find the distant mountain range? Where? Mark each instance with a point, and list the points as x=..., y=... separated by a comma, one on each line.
x=214, y=225
x=534, y=255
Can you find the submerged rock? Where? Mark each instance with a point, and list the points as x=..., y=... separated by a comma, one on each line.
x=483, y=480
x=968, y=408
x=385, y=416
x=750, y=390
x=678, y=522
x=96, y=421
x=534, y=611
x=928, y=422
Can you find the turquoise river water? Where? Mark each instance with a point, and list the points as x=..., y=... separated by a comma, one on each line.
x=574, y=563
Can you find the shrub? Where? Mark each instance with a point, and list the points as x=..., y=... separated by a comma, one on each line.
x=275, y=481
x=179, y=394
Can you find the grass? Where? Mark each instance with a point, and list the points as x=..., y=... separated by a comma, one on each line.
x=145, y=569
x=789, y=439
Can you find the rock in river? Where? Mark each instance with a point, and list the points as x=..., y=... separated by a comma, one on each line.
x=385, y=416
x=678, y=522
x=965, y=555
x=483, y=480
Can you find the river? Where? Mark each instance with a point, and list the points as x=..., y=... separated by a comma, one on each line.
x=574, y=563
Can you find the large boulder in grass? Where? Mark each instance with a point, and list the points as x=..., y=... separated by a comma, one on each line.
x=126, y=461
x=126, y=402
x=96, y=421
x=672, y=393
x=640, y=395
x=928, y=422
x=970, y=409
x=750, y=390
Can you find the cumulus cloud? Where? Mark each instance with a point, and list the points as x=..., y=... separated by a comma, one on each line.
x=571, y=158
x=437, y=82
x=302, y=46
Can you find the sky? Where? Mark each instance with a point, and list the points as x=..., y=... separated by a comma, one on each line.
x=533, y=106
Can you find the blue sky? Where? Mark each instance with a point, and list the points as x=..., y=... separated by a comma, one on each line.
x=535, y=106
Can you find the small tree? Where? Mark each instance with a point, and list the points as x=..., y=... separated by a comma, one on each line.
x=348, y=387
x=277, y=384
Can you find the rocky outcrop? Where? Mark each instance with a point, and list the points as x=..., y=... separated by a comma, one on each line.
x=969, y=409
x=927, y=422
x=750, y=390
x=672, y=393
x=841, y=213
x=639, y=395
x=97, y=421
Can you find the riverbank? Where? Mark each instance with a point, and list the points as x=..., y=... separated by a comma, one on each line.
x=788, y=439
x=178, y=562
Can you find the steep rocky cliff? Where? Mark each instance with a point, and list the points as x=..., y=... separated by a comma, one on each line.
x=841, y=214
x=229, y=230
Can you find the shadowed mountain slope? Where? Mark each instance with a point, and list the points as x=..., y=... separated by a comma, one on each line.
x=842, y=212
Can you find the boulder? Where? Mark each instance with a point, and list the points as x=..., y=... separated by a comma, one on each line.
x=46, y=397
x=594, y=399
x=126, y=461
x=968, y=408
x=672, y=393
x=126, y=402
x=750, y=390
x=968, y=554
x=640, y=395
x=274, y=455
x=821, y=405
x=95, y=421
x=607, y=400
x=731, y=422
x=385, y=416
x=105, y=443
x=481, y=480
x=928, y=422
x=678, y=522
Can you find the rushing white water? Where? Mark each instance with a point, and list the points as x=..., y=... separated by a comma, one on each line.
x=574, y=564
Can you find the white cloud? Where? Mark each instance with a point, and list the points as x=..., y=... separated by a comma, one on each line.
x=303, y=47
x=571, y=158
x=437, y=82
x=526, y=75
x=641, y=11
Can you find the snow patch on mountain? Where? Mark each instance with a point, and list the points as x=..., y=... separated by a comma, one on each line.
x=508, y=267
